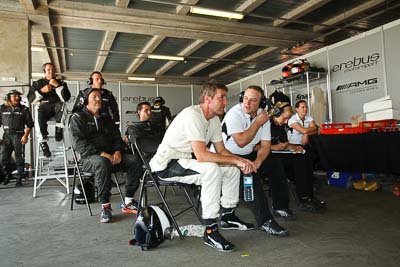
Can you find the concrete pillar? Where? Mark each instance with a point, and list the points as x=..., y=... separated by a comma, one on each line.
x=15, y=62
x=15, y=54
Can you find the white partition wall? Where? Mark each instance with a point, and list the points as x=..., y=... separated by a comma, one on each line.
x=176, y=97
x=233, y=95
x=131, y=95
x=356, y=75
x=392, y=58
x=359, y=69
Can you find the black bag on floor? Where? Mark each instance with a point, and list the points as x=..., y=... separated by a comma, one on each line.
x=90, y=191
x=151, y=228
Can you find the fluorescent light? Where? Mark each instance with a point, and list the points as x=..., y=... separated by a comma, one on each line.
x=216, y=13
x=37, y=74
x=163, y=57
x=149, y=79
x=37, y=49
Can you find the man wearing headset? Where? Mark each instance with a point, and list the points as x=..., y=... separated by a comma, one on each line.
x=109, y=105
x=246, y=132
x=14, y=117
x=51, y=94
x=99, y=143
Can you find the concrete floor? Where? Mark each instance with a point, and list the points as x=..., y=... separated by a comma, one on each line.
x=359, y=229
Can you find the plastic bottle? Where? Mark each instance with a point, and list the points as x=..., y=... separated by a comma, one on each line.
x=248, y=187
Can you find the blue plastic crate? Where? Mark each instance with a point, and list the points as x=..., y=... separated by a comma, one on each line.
x=343, y=179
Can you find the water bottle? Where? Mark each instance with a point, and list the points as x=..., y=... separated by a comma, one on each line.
x=248, y=187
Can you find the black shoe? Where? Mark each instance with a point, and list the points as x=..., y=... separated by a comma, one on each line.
x=214, y=239
x=273, y=228
x=232, y=222
x=59, y=134
x=18, y=182
x=286, y=214
x=312, y=205
x=320, y=203
x=6, y=180
x=46, y=150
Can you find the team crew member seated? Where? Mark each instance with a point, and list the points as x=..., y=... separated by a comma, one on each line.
x=143, y=127
x=139, y=129
x=99, y=143
x=246, y=132
x=217, y=173
x=109, y=104
x=51, y=94
x=14, y=117
x=302, y=125
x=298, y=164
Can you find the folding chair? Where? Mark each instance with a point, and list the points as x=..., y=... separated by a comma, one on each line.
x=81, y=175
x=147, y=147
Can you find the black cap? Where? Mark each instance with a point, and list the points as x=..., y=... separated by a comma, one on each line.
x=160, y=100
x=14, y=92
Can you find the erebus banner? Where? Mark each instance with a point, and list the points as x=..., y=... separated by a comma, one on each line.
x=356, y=76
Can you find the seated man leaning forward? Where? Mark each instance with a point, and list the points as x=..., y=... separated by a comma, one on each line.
x=217, y=173
x=246, y=132
x=99, y=143
x=143, y=127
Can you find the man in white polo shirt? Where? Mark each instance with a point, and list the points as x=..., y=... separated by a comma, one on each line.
x=217, y=173
x=246, y=132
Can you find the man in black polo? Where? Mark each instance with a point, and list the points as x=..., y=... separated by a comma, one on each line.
x=14, y=117
x=99, y=143
x=51, y=94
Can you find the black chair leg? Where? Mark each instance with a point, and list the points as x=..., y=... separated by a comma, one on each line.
x=118, y=187
x=169, y=212
x=141, y=193
x=84, y=192
x=73, y=191
x=192, y=204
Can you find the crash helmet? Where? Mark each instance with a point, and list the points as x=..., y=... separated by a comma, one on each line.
x=152, y=228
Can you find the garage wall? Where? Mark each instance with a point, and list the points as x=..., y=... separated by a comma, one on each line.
x=361, y=69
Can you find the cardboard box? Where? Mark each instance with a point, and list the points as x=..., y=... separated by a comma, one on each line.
x=386, y=114
x=380, y=105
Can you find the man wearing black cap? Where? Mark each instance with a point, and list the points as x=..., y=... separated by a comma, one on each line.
x=99, y=143
x=51, y=94
x=160, y=113
x=14, y=117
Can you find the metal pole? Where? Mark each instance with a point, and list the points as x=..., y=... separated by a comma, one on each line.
x=120, y=105
x=328, y=87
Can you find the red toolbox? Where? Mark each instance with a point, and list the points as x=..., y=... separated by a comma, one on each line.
x=341, y=128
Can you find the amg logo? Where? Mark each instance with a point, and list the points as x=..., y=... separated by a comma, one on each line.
x=357, y=63
x=356, y=84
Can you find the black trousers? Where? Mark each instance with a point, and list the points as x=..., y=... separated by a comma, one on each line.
x=102, y=170
x=12, y=142
x=272, y=169
x=46, y=111
x=299, y=167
